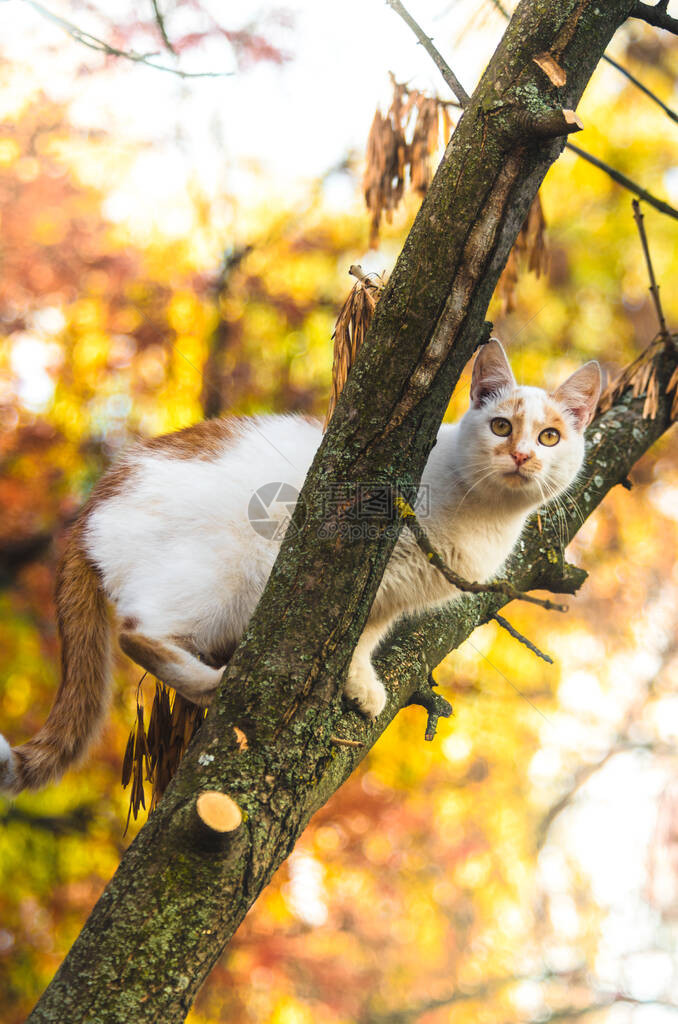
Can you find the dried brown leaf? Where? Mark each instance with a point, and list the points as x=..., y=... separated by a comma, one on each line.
x=390, y=160
x=127, y=761
x=350, y=329
x=640, y=377
x=155, y=753
x=530, y=249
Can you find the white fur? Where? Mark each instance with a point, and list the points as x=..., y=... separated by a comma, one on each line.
x=8, y=778
x=178, y=554
x=176, y=548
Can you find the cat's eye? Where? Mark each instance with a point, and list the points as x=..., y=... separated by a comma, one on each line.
x=549, y=437
x=500, y=426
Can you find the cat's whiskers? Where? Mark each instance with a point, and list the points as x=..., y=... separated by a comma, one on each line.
x=575, y=507
x=483, y=477
x=554, y=505
x=557, y=499
x=566, y=496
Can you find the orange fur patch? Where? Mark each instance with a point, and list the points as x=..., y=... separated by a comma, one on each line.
x=80, y=702
x=554, y=419
x=201, y=441
x=215, y=658
x=148, y=653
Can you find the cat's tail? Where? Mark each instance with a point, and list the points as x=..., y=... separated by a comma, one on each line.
x=82, y=697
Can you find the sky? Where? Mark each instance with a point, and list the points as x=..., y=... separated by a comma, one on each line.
x=293, y=122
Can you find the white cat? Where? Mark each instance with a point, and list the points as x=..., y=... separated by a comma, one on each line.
x=167, y=539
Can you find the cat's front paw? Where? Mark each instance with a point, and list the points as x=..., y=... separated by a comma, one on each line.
x=366, y=690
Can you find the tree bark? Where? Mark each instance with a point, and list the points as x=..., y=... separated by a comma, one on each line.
x=177, y=898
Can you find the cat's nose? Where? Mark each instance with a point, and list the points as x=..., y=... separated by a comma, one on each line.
x=520, y=457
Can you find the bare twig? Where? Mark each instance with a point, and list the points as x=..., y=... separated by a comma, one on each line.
x=656, y=16
x=408, y=516
x=567, y=1013
x=212, y=391
x=355, y=270
x=93, y=43
x=621, y=179
x=643, y=88
x=405, y=1014
x=654, y=287
x=438, y=59
x=623, y=743
x=339, y=741
x=160, y=22
x=586, y=772
x=521, y=639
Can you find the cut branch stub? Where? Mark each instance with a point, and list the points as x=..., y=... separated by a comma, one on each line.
x=550, y=124
x=436, y=707
x=551, y=68
x=217, y=812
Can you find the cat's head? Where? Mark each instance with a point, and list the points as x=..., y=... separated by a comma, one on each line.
x=522, y=444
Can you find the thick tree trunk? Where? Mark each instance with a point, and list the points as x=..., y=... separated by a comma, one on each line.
x=176, y=898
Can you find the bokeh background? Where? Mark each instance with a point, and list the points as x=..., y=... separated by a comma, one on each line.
x=175, y=246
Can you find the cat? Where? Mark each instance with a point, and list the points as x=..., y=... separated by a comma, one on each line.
x=166, y=539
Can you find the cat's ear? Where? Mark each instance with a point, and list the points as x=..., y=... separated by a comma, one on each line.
x=580, y=393
x=491, y=373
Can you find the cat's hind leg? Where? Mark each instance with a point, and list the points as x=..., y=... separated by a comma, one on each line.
x=174, y=664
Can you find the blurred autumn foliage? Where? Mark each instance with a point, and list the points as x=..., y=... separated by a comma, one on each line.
x=521, y=867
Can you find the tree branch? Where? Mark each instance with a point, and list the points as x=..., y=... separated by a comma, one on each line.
x=656, y=16
x=14, y=554
x=440, y=62
x=574, y=1012
x=160, y=22
x=654, y=287
x=75, y=821
x=621, y=179
x=587, y=771
x=407, y=1014
x=212, y=391
x=622, y=743
x=615, y=64
x=643, y=88
x=93, y=43
x=512, y=631
x=598, y=1000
